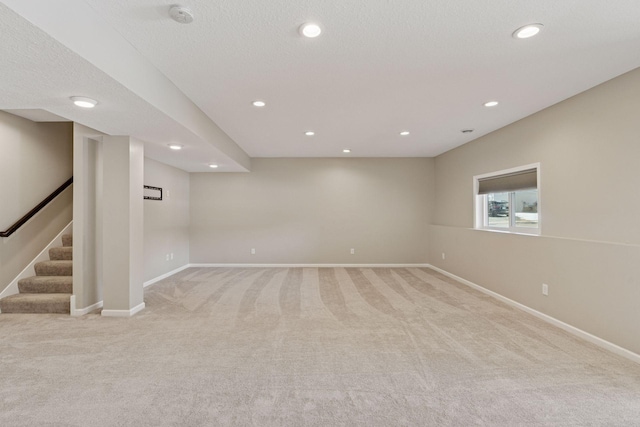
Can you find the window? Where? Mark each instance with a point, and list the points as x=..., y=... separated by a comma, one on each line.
x=508, y=200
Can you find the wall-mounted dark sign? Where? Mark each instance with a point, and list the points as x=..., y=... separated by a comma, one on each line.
x=152, y=193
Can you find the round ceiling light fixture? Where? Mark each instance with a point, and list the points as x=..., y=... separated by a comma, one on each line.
x=213, y=166
x=181, y=14
x=176, y=146
x=491, y=103
x=405, y=133
x=310, y=30
x=527, y=31
x=309, y=133
x=346, y=150
x=259, y=103
x=84, y=102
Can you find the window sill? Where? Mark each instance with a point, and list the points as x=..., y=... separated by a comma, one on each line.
x=535, y=233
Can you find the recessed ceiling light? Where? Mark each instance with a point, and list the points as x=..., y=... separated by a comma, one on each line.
x=213, y=166
x=346, y=150
x=259, y=103
x=491, y=104
x=405, y=133
x=527, y=31
x=84, y=102
x=466, y=130
x=176, y=146
x=310, y=29
x=309, y=133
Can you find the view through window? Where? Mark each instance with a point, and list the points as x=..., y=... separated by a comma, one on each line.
x=508, y=200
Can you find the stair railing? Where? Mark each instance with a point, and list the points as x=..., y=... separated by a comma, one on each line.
x=19, y=223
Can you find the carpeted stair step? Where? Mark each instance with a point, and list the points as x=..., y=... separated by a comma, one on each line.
x=54, y=268
x=61, y=253
x=36, y=303
x=46, y=285
x=50, y=290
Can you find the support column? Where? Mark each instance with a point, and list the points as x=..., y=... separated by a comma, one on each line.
x=122, y=222
x=87, y=237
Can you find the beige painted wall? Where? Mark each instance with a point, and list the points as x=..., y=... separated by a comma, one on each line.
x=36, y=158
x=122, y=225
x=87, y=235
x=166, y=222
x=588, y=149
x=313, y=211
x=590, y=244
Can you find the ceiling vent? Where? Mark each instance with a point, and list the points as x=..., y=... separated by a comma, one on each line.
x=181, y=14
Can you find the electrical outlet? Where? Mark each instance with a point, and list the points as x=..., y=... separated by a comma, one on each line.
x=167, y=257
x=443, y=255
x=353, y=251
x=545, y=289
x=253, y=251
x=171, y=255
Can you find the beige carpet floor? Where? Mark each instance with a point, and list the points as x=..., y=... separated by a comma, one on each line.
x=309, y=347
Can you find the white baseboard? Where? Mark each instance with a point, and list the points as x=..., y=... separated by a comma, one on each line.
x=30, y=270
x=83, y=311
x=164, y=276
x=552, y=320
x=123, y=313
x=311, y=265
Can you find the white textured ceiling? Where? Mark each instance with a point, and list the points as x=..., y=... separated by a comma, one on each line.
x=380, y=67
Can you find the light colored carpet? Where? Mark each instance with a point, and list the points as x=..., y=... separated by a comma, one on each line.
x=49, y=291
x=309, y=347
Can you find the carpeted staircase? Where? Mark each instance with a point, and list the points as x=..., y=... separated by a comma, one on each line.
x=49, y=291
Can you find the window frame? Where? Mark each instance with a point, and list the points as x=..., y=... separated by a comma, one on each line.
x=481, y=214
